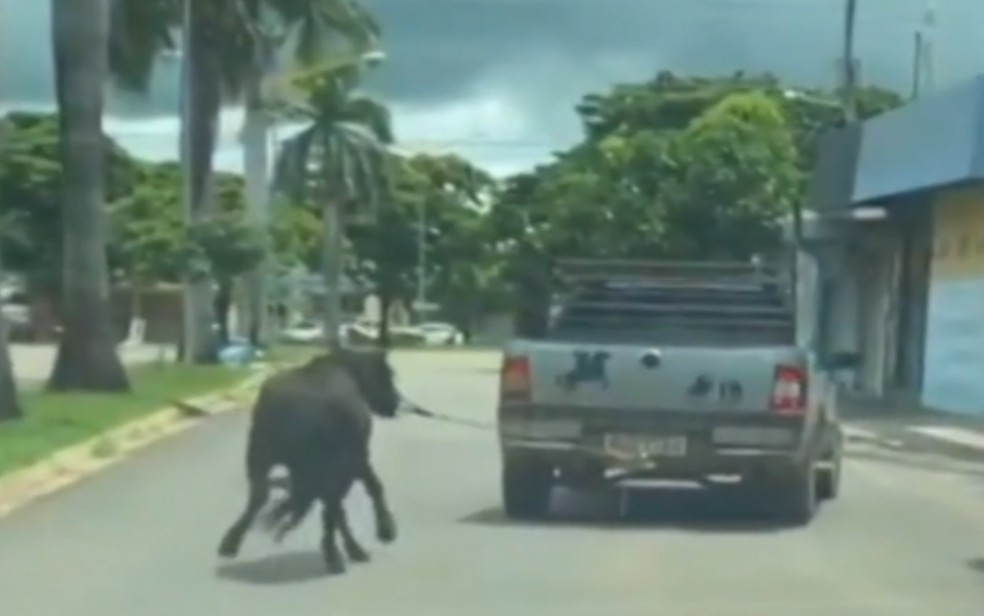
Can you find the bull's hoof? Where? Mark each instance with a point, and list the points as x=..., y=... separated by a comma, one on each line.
x=229, y=547
x=386, y=532
x=334, y=566
x=357, y=554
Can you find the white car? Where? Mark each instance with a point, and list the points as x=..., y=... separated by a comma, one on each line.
x=436, y=334
x=306, y=332
x=16, y=315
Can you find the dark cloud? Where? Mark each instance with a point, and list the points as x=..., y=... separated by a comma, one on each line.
x=544, y=54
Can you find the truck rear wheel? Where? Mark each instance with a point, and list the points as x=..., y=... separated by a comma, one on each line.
x=797, y=495
x=828, y=479
x=526, y=488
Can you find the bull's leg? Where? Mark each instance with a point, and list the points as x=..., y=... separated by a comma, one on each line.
x=353, y=549
x=257, y=470
x=335, y=488
x=385, y=524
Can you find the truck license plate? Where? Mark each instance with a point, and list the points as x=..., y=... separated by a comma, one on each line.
x=638, y=446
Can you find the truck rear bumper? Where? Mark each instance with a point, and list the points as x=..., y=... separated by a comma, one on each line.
x=712, y=444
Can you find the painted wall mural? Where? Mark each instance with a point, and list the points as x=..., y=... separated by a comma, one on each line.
x=953, y=375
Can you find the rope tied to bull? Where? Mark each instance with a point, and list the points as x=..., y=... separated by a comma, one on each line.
x=409, y=408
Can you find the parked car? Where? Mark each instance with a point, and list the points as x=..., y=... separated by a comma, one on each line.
x=305, y=332
x=16, y=315
x=437, y=333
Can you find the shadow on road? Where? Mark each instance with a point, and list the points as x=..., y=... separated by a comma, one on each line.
x=691, y=510
x=976, y=564
x=276, y=569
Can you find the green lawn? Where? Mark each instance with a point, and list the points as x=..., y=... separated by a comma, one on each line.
x=54, y=421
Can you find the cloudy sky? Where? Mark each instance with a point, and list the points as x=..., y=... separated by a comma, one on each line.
x=496, y=80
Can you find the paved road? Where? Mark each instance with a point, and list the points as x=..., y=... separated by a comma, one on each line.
x=139, y=539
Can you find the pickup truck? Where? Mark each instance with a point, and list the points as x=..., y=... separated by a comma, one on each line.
x=668, y=370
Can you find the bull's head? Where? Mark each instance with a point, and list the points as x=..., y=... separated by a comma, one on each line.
x=374, y=376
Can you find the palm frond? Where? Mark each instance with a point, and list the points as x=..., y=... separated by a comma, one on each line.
x=291, y=175
x=372, y=114
x=323, y=28
x=139, y=31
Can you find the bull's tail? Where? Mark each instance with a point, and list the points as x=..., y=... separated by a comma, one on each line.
x=287, y=513
x=306, y=466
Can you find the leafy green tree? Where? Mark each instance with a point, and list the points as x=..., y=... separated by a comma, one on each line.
x=297, y=235
x=230, y=247
x=230, y=44
x=30, y=196
x=152, y=244
x=463, y=262
x=385, y=247
x=435, y=203
x=733, y=179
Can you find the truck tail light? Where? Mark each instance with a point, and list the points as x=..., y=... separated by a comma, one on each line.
x=515, y=379
x=789, y=391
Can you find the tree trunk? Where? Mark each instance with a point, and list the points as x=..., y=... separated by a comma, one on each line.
x=87, y=358
x=385, y=303
x=9, y=402
x=200, y=129
x=255, y=164
x=333, y=272
x=223, y=303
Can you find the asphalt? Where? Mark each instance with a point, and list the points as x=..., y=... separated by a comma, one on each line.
x=905, y=538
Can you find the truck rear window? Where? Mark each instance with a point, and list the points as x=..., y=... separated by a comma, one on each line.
x=676, y=314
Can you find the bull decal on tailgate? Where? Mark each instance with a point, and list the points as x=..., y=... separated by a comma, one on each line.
x=728, y=391
x=589, y=367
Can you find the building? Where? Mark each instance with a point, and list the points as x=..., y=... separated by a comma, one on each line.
x=893, y=251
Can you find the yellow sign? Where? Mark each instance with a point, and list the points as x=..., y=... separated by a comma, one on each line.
x=958, y=235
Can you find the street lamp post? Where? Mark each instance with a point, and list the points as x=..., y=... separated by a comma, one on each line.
x=850, y=66
x=422, y=258
x=334, y=234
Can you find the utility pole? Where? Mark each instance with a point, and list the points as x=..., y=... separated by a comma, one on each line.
x=850, y=65
x=926, y=36
x=917, y=64
x=422, y=259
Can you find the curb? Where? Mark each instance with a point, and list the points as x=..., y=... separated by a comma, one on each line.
x=74, y=463
x=867, y=437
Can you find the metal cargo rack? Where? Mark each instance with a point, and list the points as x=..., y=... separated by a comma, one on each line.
x=670, y=273
x=627, y=294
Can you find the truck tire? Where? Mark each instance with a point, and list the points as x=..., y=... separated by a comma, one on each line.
x=828, y=479
x=797, y=494
x=526, y=488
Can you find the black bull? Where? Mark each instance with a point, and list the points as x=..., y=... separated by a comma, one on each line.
x=316, y=420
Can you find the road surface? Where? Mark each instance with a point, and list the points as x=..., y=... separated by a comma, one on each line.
x=140, y=538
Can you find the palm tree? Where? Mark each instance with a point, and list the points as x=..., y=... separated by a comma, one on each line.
x=229, y=49
x=320, y=30
x=9, y=401
x=87, y=358
x=342, y=155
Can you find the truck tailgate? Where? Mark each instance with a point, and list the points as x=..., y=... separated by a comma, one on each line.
x=644, y=379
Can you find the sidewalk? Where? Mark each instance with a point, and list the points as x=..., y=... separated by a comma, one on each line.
x=33, y=362
x=909, y=427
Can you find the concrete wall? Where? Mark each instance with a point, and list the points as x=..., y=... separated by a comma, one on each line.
x=953, y=371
